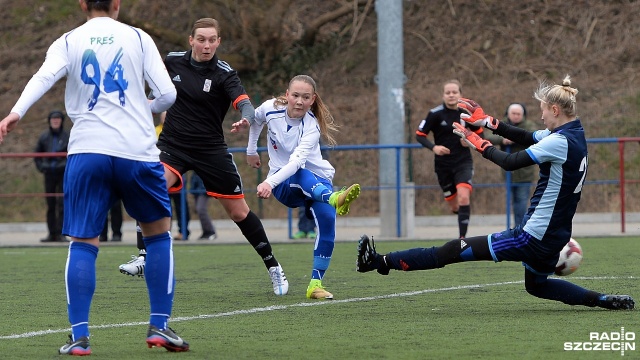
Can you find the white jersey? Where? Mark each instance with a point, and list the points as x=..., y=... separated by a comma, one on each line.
x=292, y=143
x=106, y=64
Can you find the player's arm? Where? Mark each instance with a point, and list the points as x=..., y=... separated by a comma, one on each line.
x=507, y=161
x=504, y=160
x=515, y=134
x=421, y=133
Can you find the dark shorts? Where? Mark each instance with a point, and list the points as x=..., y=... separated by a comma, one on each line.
x=450, y=177
x=518, y=245
x=217, y=171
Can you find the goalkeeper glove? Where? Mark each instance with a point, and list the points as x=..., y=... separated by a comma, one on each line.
x=471, y=138
x=474, y=114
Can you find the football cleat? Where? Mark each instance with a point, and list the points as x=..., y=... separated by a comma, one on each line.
x=617, y=302
x=79, y=347
x=317, y=291
x=135, y=267
x=279, y=280
x=341, y=199
x=166, y=338
x=367, y=256
x=300, y=235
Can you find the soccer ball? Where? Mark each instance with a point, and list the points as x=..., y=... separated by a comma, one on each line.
x=570, y=258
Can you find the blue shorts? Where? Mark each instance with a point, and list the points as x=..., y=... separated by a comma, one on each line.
x=518, y=245
x=292, y=194
x=93, y=182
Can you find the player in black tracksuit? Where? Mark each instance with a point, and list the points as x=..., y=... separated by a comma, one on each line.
x=192, y=137
x=453, y=163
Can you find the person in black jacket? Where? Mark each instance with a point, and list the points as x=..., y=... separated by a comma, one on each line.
x=54, y=139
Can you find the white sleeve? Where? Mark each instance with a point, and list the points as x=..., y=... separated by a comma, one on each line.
x=156, y=75
x=255, y=129
x=283, y=174
x=53, y=69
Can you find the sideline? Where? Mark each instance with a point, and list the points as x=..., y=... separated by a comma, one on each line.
x=303, y=304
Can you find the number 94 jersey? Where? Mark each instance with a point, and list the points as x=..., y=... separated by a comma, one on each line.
x=107, y=63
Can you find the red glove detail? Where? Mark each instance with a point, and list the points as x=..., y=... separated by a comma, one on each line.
x=474, y=114
x=473, y=139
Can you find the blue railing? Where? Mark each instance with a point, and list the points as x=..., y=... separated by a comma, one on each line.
x=399, y=186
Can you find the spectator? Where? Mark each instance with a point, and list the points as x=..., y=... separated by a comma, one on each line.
x=181, y=216
x=202, y=208
x=116, y=223
x=54, y=139
x=521, y=179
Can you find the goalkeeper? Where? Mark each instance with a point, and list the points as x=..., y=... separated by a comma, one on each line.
x=561, y=153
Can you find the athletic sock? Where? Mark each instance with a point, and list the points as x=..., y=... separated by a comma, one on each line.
x=464, y=214
x=413, y=259
x=81, y=284
x=252, y=229
x=158, y=274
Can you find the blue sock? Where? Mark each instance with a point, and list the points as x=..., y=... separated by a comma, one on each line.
x=158, y=273
x=326, y=219
x=321, y=193
x=81, y=284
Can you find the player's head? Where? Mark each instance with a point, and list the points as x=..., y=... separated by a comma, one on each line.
x=301, y=96
x=93, y=7
x=204, y=39
x=557, y=102
x=516, y=113
x=452, y=91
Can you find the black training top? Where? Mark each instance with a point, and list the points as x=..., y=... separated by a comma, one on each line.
x=440, y=121
x=205, y=92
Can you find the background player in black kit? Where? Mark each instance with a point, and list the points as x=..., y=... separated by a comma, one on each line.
x=192, y=137
x=453, y=163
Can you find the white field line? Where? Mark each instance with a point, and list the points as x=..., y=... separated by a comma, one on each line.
x=303, y=304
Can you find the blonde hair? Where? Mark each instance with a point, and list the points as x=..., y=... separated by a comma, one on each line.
x=562, y=95
x=319, y=109
x=205, y=23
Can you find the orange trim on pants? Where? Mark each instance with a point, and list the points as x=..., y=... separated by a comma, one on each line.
x=173, y=187
x=216, y=195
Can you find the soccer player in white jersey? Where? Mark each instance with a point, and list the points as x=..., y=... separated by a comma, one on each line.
x=560, y=151
x=298, y=175
x=112, y=154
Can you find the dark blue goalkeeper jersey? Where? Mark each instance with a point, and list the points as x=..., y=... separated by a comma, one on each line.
x=562, y=157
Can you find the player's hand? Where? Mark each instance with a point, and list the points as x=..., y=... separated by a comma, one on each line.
x=8, y=124
x=254, y=161
x=441, y=150
x=240, y=125
x=264, y=190
x=473, y=139
x=474, y=114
